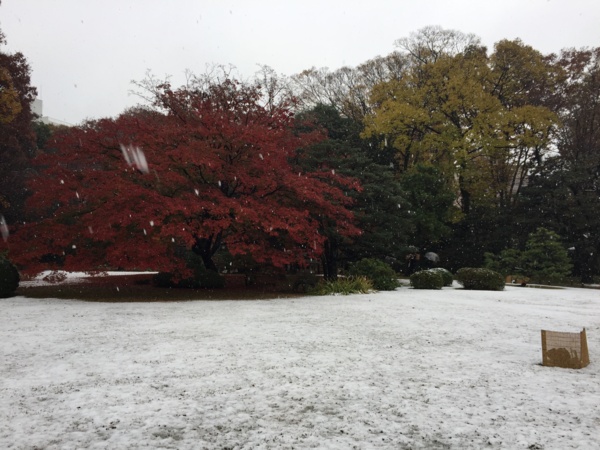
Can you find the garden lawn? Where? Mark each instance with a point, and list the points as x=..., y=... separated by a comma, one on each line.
x=449, y=369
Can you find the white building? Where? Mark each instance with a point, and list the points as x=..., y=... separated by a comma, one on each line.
x=37, y=108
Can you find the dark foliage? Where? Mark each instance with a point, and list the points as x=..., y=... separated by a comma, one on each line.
x=9, y=278
x=384, y=278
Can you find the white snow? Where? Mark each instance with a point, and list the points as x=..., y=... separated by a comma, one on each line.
x=53, y=277
x=448, y=369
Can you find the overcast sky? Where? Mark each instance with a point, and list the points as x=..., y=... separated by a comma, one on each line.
x=84, y=53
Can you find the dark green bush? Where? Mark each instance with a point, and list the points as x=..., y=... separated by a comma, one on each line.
x=344, y=286
x=446, y=275
x=383, y=277
x=427, y=279
x=480, y=279
x=9, y=278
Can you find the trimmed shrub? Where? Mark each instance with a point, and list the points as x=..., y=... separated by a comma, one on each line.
x=427, y=279
x=383, y=277
x=446, y=275
x=480, y=279
x=344, y=286
x=9, y=278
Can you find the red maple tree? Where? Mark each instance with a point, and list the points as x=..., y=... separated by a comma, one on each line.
x=207, y=169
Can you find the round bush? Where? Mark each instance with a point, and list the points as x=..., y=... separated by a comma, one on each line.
x=427, y=279
x=446, y=275
x=383, y=277
x=480, y=279
x=9, y=278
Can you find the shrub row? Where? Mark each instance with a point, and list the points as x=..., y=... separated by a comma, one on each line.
x=469, y=277
x=435, y=278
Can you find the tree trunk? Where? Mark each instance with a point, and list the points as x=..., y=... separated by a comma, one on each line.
x=329, y=259
x=206, y=248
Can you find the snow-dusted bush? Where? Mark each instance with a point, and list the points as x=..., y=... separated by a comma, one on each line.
x=384, y=278
x=446, y=275
x=427, y=279
x=480, y=279
x=9, y=278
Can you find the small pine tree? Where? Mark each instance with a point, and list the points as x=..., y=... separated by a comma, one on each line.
x=509, y=262
x=545, y=259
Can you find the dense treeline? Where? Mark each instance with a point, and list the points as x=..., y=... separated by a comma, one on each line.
x=512, y=135
x=442, y=146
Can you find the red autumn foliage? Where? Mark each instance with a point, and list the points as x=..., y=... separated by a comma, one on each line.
x=218, y=175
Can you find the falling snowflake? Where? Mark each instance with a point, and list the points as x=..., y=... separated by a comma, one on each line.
x=3, y=228
x=134, y=157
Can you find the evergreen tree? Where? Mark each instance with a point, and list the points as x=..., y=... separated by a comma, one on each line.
x=381, y=207
x=545, y=259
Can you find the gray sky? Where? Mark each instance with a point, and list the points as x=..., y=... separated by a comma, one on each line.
x=84, y=53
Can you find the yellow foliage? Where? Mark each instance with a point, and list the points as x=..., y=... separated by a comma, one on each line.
x=10, y=106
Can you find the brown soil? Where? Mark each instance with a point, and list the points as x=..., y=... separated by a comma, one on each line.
x=138, y=288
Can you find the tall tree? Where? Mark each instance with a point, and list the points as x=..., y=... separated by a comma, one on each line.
x=209, y=169
x=563, y=195
x=381, y=208
x=17, y=139
x=445, y=112
x=473, y=116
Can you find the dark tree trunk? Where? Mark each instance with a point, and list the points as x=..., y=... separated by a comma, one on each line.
x=329, y=259
x=206, y=248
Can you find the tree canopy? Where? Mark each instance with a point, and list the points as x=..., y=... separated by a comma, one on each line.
x=17, y=139
x=442, y=146
x=208, y=169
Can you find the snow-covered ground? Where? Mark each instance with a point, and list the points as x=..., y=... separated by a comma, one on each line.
x=449, y=369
